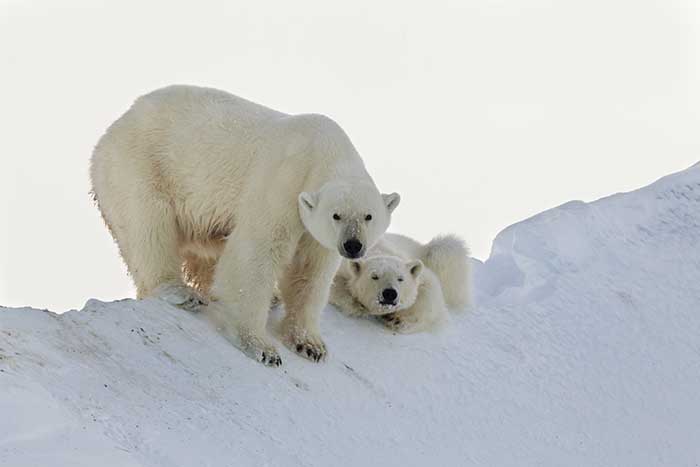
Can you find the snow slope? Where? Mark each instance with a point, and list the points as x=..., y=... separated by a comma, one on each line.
x=584, y=349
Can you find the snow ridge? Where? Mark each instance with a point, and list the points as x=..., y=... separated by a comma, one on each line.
x=582, y=350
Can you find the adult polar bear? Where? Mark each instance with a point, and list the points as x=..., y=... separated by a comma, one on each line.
x=240, y=196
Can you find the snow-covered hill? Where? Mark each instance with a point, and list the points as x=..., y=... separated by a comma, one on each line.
x=584, y=349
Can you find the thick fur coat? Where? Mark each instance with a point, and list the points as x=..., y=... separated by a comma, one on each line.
x=213, y=198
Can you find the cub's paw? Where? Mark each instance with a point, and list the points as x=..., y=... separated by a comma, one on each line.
x=396, y=322
x=260, y=350
x=181, y=296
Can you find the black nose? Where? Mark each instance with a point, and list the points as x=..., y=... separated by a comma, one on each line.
x=352, y=247
x=389, y=295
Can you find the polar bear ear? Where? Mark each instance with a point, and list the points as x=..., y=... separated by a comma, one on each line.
x=391, y=201
x=416, y=267
x=356, y=267
x=307, y=201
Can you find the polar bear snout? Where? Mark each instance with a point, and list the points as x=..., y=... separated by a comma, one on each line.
x=389, y=296
x=352, y=249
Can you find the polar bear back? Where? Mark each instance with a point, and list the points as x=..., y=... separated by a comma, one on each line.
x=193, y=125
x=213, y=154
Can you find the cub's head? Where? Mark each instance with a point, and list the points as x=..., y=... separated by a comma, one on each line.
x=384, y=284
x=347, y=217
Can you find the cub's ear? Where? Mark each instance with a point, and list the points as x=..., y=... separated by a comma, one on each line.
x=416, y=267
x=356, y=268
x=307, y=201
x=391, y=201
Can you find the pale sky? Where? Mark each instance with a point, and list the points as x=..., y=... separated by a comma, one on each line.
x=480, y=113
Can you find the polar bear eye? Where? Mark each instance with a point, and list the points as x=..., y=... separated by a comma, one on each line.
x=336, y=216
x=375, y=277
x=368, y=217
x=400, y=279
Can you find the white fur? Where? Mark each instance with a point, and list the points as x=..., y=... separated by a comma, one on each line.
x=237, y=196
x=435, y=277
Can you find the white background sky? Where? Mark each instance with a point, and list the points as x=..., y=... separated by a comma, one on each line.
x=480, y=113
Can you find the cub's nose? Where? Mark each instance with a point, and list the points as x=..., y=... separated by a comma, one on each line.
x=389, y=295
x=352, y=247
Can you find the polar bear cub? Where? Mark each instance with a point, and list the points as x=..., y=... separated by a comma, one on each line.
x=211, y=197
x=406, y=285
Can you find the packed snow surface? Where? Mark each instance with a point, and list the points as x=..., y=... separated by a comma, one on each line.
x=583, y=349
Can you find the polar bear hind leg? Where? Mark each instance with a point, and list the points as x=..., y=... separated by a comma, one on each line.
x=200, y=258
x=144, y=227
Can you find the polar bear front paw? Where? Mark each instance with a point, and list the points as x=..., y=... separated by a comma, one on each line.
x=259, y=350
x=312, y=349
x=305, y=343
x=270, y=358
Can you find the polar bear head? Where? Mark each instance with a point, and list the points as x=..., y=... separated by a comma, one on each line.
x=385, y=284
x=347, y=217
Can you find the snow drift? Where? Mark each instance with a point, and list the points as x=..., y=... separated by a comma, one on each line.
x=583, y=349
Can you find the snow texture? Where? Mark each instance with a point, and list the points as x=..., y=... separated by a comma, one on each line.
x=583, y=349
